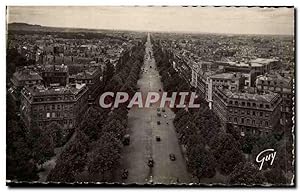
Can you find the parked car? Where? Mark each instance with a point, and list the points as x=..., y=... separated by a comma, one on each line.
x=150, y=162
x=125, y=174
x=163, y=110
x=157, y=138
x=172, y=157
x=158, y=122
x=126, y=139
x=159, y=114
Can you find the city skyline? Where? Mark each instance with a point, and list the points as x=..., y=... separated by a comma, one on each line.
x=267, y=21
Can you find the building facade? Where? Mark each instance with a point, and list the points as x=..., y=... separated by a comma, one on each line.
x=21, y=78
x=55, y=74
x=251, y=112
x=93, y=78
x=282, y=85
x=232, y=81
x=41, y=106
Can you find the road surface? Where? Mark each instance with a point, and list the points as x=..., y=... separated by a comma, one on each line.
x=143, y=129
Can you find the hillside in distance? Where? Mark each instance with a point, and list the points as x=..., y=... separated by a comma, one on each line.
x=30, y=27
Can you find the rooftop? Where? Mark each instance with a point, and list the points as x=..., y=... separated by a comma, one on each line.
x=40, y=90
x=275, y=77
x=268, y=97
x=87, y=74
x=27, y=75
x=56, y=68
x=226, y=76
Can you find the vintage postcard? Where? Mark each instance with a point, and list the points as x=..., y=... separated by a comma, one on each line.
x=150, y=95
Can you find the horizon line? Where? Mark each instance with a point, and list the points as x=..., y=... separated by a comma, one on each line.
x=154, y=31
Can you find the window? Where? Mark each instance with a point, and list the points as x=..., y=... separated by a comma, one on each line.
x=236, y=103
x=235, y=111
x=242, y=120
x=248, y=121
x=248, y=112
x=268, y=106
x=243, y=103
x=53, y=107
x=261, y=114
x=253, y=122
x=266, y=123
x=253, y=113
x=230, y=102
x=261, y=105
x=248, y=104
x=235, y=119
x=267, y=115
x=48, y=115
x=254, y=104
x=53, y=115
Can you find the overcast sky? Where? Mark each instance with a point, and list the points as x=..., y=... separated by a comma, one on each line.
x=190, y=19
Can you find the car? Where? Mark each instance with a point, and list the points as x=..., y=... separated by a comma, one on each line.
x=158, y=122
x=158, y=109
x=150, y=162
x=159, y=114
x=125, y=174
x=126, y=139
x=157, y=138
x=163, y=110
x=165, y=116
x=172, y=157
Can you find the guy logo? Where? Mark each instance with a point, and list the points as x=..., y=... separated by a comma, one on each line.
x=270, y=157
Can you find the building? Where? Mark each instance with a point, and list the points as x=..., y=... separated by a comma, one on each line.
x=282, y=85
x=232, y=81
x=93, y=78
x=21, y=78
x=182, y=67
x=55, y=74
x=250, y=112
x=41, y=106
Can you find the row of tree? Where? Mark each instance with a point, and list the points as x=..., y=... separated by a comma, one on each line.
x=25, y=149
x=210, y=147
x=95, y=151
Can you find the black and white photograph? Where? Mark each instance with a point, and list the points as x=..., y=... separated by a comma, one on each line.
x=150, y=95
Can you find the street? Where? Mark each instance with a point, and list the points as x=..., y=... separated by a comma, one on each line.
x=143, y=129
